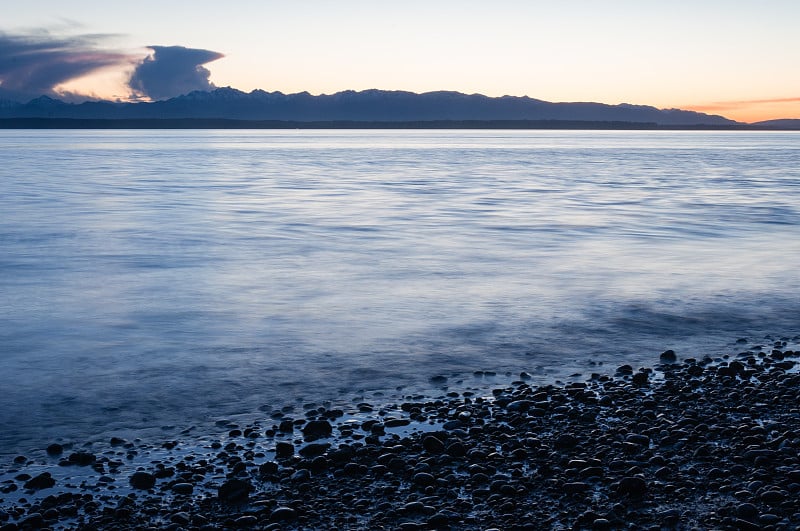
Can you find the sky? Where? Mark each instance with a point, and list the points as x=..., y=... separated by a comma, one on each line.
x=740, y=59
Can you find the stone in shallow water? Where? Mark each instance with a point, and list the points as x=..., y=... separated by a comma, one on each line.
x=55, y=449
x=314, y=449
x=317, y=429
x=42, y=481
x=142, y=480
x=182, y=488
x=284, y=449
x=234, y=491
x=668, y=356
x=82, y=458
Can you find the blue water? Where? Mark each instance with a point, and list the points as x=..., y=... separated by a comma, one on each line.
x=153, y=278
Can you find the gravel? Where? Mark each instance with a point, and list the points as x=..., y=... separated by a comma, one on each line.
x=692, y=443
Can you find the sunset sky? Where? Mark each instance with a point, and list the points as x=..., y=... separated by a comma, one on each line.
x=738, y=59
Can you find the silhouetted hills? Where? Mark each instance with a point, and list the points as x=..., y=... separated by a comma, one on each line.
x=787, y=123
x=352, y=106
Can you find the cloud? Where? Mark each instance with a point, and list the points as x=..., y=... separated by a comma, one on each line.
x=171, y=71
x=35, y=64
x=727, y=105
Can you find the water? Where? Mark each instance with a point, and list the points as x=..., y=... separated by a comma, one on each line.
x=153, y=278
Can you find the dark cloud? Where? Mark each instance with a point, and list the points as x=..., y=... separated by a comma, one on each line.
x=173, y=70
x=34, y=64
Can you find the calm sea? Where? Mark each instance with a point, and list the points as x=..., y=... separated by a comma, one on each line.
x=152, y=278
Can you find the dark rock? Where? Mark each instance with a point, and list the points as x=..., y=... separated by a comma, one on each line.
x=457, y=449
x=282, y=514
x=601, y=524
x=55, y=449
x=625, y=370
x=433, y=444
x=577, y=487
x=33, y=521
x=317, y=429
x=519, y=405
x=268, y=468
x=773, y=497
x=247, y=520
x=183, y=488
x=424, y=479
x=747, y=511
x=42, y=481
x=82, y=458
x=284, y=449
x=632, y=486
x=565, y=441
x=181, y=518
x=668, y=356
x=301, y=475
x=234, y=491
x=744, y=525
x=142, y=480
x=438, y=520
x=314, y=449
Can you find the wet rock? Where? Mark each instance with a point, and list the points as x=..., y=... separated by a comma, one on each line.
x=284, y=449
x=33, y=521
x=283, y=514
x=566, y=441
x=181, y=518
x=457, y=449
x=424, y=479
x=82, y=458
x=142, y=480
x=747, y=511
x=632, y=486
x=314, y=449
x=433, y=444
x=245, y=521
x=577, y=487
x=183, y=488
x=317, y=429
x=668, y=356
x=438, y=521
x=55, y=449
x=234, y=491
x=42, y=481
x=773, y=497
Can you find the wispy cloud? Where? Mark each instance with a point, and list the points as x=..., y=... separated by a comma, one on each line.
x=36, y=63
x=738, y=104
x=173, y=70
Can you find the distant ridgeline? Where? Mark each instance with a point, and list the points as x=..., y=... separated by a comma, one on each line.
x=231, y=108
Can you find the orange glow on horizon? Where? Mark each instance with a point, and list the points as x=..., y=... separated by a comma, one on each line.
x=750, y=111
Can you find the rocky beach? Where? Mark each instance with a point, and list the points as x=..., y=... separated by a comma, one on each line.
x=693, y=443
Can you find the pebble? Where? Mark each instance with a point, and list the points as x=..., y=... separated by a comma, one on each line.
x=142, y=480
x=614, y=452
x=234, y=491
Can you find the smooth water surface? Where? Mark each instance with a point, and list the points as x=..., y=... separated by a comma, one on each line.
x=172, y=277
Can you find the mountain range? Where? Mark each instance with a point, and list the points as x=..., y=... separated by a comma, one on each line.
x=363, y=106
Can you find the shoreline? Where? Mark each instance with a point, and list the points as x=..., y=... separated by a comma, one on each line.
x=711, y=443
